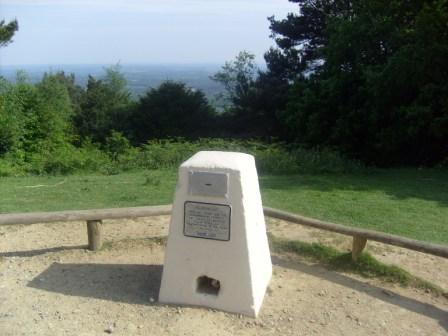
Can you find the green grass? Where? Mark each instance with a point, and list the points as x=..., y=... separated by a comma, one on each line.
x=366, y=265
x=49, y=193
x=407, y=202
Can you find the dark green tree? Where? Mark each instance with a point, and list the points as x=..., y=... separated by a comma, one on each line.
x=172, y=110
x=9, y=125
x=238, y=78
x=7, y=31
x=253, y=97
x=105, y=106
x=367, y=77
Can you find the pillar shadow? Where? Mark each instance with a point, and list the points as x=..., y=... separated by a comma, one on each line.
x=379, y=293
x=134, y=284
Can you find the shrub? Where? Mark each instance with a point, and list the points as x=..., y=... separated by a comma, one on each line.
x=273, y=158
x=7, y=168
x=323, y=161
x=118, y=156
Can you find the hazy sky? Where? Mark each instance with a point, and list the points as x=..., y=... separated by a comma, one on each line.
x=138, y=31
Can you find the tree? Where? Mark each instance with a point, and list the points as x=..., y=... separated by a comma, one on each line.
x=10, y=117
x=33, y=118
x=75, y=91
x=366, y=77
x=7, y=31
x=250, y=104
x=55, y=112
x=300, y=37
x=105, y=107
x=172, y=110
x=256, y=97
x=237, y=78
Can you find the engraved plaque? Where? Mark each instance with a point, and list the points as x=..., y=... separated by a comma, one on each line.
x=205, y=220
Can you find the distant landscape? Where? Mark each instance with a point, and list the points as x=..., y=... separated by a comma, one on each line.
x=139, y=77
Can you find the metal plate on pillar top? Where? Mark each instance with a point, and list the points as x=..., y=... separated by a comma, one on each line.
x=208, y=221
x=208, y=184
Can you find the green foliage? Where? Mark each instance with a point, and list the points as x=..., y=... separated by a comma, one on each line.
x=56, y=110
x=75, y=91
x=105, y=106
x=7, y=31
x=366, y=79
x=237, y=77
x=116, y=144
x=276, y=158
x=68, y=159
x=7, y=168
x=36, y=118
x=252, y=98
x=10, y=117
x=172, y=110
x=270, y=158
x=117, y=155
x=369, y=78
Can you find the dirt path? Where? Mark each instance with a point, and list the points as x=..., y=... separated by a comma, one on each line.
x=50, y=285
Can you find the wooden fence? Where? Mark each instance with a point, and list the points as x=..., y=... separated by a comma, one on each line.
x=94, y=219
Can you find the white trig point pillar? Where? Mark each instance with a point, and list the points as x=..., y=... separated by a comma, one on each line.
x=217, y=254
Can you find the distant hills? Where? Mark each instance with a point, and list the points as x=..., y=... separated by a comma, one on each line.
x=140, y=77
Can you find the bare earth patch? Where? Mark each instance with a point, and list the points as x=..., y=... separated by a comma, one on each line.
x=50, y=285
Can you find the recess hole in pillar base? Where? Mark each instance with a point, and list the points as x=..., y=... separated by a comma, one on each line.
x=206, y=285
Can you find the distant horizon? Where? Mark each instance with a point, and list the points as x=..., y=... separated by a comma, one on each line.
x=124, y=65
x=139, y=77
x=112, y=64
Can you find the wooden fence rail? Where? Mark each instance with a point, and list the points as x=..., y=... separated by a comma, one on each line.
x=83, y=215
x=94, y=219
x=360, y=236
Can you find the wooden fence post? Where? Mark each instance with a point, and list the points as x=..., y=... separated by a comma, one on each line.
x=359, y=243
x=94, y=234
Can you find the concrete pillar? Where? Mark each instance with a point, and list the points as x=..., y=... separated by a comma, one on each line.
x=217, y=254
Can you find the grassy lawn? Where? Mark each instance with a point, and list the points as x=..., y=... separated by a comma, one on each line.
x=53, y=193
x=411, y=203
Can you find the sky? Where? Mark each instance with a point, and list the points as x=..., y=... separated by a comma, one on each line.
x=138, y=31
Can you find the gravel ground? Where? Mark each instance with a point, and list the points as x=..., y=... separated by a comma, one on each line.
x=50, y=285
